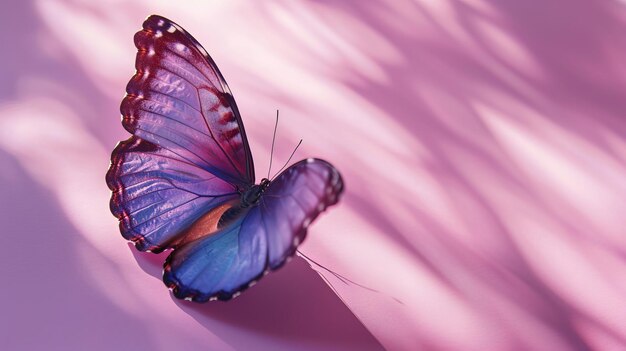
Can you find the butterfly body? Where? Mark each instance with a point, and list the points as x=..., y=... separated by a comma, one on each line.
x=184, y=180
x=253, y=194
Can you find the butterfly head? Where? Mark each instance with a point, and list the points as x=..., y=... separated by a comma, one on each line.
x=264, y=183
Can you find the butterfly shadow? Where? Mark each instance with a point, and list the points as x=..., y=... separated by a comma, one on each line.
x=293, y=304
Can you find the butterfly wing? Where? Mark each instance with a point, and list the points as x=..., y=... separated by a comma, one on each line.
x=220, y=265
x=156, y=194
x=179, y=99
x=188, y=153
x=293, y=201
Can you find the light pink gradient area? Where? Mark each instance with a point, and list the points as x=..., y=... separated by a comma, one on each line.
x=482, y=143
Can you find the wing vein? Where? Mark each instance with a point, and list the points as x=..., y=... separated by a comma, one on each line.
x=212, y=171
x=134, y=227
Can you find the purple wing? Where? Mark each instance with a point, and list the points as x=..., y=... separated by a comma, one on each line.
x=188, y=153
x=156, y=195
x=220, y=265
x=293, y=201
x=179, y=100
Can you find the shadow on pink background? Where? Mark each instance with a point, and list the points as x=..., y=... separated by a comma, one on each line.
x=482, y=143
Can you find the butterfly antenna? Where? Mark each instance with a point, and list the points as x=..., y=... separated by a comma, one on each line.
x=341, y=278
x=286, y=163
x=273, y=140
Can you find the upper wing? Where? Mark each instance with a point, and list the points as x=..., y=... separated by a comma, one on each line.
x=179, y=100
x=222, y=264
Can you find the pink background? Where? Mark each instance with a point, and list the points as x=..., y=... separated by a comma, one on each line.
x=483, y=144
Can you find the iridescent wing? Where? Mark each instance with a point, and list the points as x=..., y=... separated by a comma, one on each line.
x=156, y=194
x=293, y=201
x=178, y=99
x=261, y=238
x=188, y=153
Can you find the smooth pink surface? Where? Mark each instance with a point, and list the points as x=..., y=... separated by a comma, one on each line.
x=483, y=145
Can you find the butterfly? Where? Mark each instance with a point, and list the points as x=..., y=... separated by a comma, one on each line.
x=185, y=178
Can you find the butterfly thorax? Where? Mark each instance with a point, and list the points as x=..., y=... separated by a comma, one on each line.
x=251, y=196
